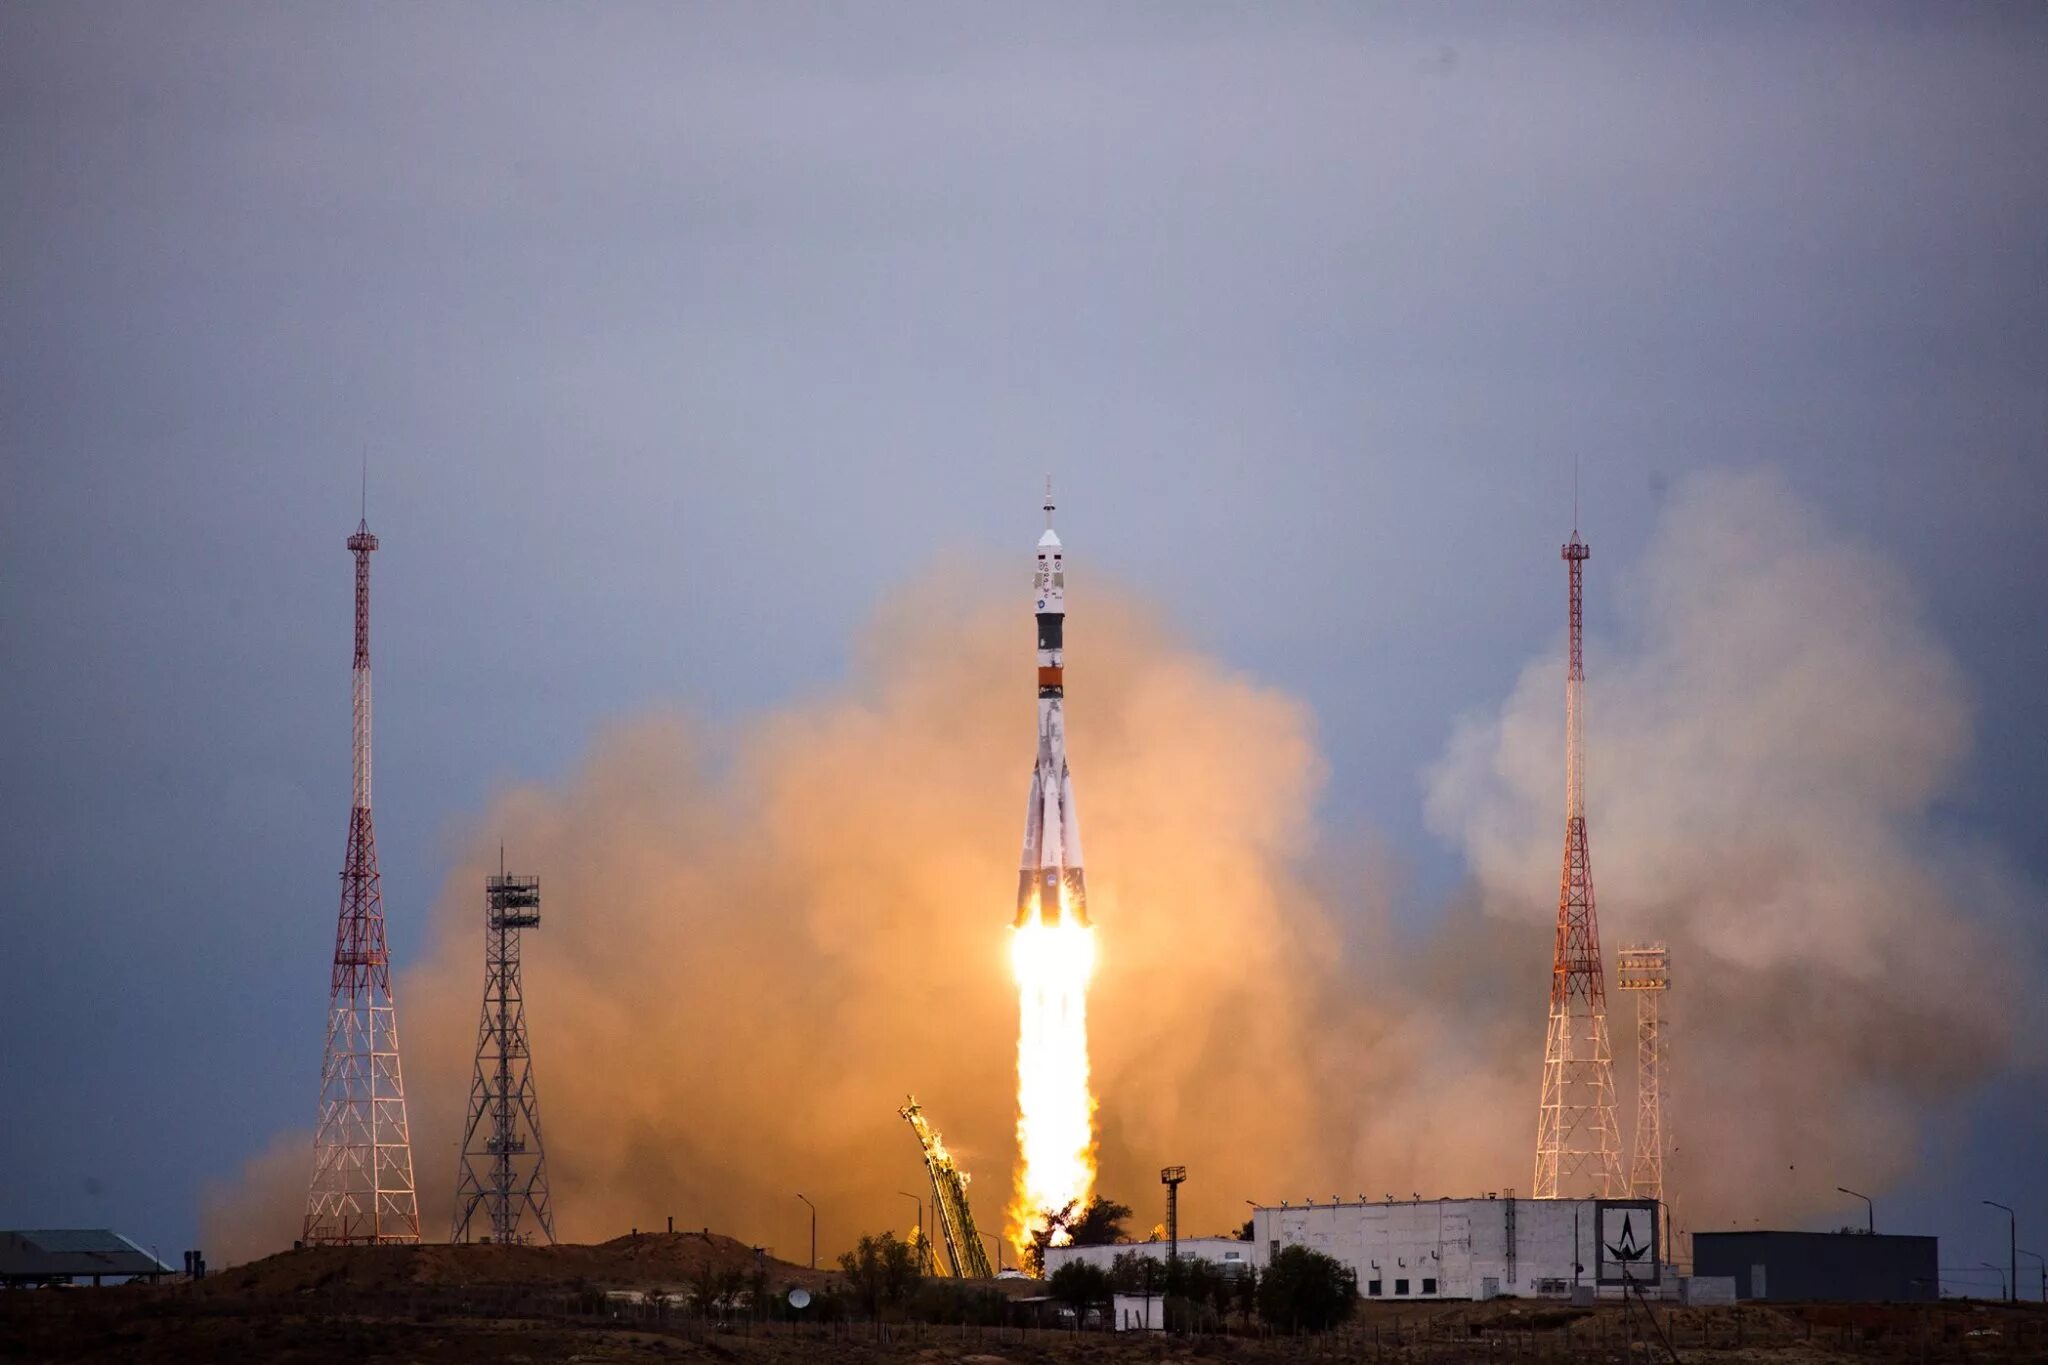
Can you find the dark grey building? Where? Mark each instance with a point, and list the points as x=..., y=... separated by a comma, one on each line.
x=67, y=1255
x=1853, y=1267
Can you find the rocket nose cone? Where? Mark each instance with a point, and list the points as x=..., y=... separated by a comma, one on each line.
x=1050, y=540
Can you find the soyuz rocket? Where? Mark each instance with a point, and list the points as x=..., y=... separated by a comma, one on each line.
x=1052, y=828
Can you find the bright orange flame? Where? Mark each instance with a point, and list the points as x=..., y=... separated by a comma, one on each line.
x=1055, y=1106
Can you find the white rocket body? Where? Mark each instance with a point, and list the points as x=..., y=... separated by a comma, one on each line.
x=1049, y=877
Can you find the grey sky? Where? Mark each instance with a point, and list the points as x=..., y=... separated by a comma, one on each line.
x=676, y=336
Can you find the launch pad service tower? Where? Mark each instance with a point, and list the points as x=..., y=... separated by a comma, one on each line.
x=1052, y=946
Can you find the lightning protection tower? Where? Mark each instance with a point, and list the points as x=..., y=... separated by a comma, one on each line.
x=1645, y=969
x=504, y=1165
x=362, y=1190
x=1576, y=1148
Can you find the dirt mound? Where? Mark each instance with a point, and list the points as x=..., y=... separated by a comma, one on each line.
x=667, y=1259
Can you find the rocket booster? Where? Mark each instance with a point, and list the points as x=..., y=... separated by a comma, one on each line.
x=1049, y=878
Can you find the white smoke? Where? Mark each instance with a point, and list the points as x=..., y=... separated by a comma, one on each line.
x=1770, y=732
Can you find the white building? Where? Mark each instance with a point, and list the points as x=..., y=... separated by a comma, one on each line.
x=1228, y=1253
x=1475, y=1248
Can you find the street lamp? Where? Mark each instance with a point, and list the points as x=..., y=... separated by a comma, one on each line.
x=923, y=1250
x=998, y=1242
x=1999, y=1273
x=2012, y=1230
x=1869, y=1209
x=2044, y=1271
x=814, y=1231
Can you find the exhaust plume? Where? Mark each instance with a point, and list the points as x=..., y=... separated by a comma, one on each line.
x=1768, y=734
x=757, y=940
x=759, y=937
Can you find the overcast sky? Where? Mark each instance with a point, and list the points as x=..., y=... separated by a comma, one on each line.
x=677, y=337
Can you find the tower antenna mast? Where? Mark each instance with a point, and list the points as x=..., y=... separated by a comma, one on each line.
x=1577, y=1151
x=362, y=1187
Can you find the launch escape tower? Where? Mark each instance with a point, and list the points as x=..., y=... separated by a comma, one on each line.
x=362, y=1188
x=949, y=1198
x=504, y=1165
x=1577, y=1152
x=1645, y=969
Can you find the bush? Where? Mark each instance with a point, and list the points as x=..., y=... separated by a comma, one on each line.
x=1304, y=1290
x=949, y=1301
x=881, y=1271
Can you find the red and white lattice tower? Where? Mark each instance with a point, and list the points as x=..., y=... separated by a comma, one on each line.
x=1577, y=1149
x=362, y=1190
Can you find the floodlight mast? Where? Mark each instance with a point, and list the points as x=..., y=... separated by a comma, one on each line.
x=504, y=1171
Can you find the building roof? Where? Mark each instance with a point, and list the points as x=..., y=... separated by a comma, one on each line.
x=54, y=1253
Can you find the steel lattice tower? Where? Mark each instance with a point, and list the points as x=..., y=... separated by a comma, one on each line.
x=1645, y=969
x=362, y=1190
x=1577, y=1151
x=504, y=1165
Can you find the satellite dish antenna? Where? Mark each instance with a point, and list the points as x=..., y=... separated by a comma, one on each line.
x=799, y=1298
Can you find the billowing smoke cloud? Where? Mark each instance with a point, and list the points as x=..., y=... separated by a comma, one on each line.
x=1768, y=738
x=757, y=940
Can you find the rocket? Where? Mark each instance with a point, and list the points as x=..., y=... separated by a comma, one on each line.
x=1051, y=868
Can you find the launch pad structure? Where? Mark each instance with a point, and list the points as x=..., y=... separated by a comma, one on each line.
x=949, y=1198
x=504, y=1171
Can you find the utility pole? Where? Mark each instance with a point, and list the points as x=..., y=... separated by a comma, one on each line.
x=1869, y=1209
x=924, y=1249
x=2012, y=1226
x=814, y=1231
x=2044, y=1271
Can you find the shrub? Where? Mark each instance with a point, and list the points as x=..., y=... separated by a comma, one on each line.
x=1304, y=1290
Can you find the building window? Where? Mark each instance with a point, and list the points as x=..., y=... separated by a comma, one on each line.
x=1429, y=1286
x=1400, y=1286
x=1372, y=1289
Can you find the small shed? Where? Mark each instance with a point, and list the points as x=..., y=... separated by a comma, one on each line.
x=66, y=1255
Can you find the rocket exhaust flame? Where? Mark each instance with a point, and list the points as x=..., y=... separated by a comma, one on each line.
x=1055, y=1104
x=1052, y=951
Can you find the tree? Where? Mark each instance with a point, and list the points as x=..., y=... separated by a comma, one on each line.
x=881, y=1271
x=1101, y=1224
x=1304, y=1290
x=1081, y=1285
x=1244, y=1234
x=1133, y=1272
